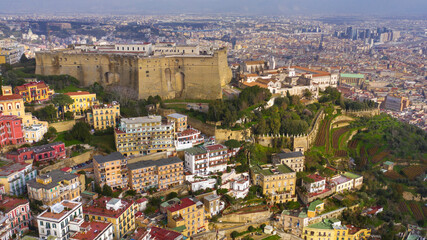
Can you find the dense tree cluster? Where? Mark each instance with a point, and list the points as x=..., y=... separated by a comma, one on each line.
x=80, y=131
x=287, y=116
x=229, y=111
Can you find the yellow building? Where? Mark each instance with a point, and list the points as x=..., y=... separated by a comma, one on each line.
x=54, y=187
x=331, y=229
x=13, y=177
x=34, y=91
x=277, y=182
x=159, y=174
x=187, y=216
x=103, y=115
x=110, y=170
x=315, y=208
x=83, y=101
x=144, y=135
x=13, y=104
x=179, y=120
x=116, y=211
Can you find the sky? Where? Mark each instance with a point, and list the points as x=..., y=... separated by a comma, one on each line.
x=245, y=7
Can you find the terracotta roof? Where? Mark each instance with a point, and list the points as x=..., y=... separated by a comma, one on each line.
x=215, y=147
x=31, y=84
x=316, y=177
x=10, y=97
x=78, y=93
x=163, y=234
x=184, y=203
x=93, y=230
x=99, y=208
x=52, y=215
x=7, y=204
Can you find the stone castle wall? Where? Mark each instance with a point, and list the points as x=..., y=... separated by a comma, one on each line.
x=182, y=77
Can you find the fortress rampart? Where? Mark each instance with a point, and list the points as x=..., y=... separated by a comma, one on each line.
x=176, y=76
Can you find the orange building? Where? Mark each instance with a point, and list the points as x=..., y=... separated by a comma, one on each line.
x=34, y=91
x=111, y=170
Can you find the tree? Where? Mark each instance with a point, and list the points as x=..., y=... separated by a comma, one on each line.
x=98, y=188
x=80, y=131
x=171, y=195
x=251, y=229
x=234, y=234
x=23, y=59
x=107, y=191
x=62, y=100
x=307, y=94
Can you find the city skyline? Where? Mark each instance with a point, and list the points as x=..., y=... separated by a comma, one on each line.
x=271, y=7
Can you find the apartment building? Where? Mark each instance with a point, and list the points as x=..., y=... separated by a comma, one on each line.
x=144, y=135
x=14, y=177
x=10, y=130
x=34, y=133
x=277, y=182
x=314, y=183
x=294, y=160
x=18, y=211
x=13, y=104
x=188, y=138
x=206, y=159
x=357, y=180
x=187, y=216
x=103, y=116
x=83, y=101
x=331, y=228
x=111, y=170
x=54, y=187
x=212, y=204
x=179, y=120
x=94, y=230
x=43, y=153
x=60, y=220
x=113, y=210
x=159, y=174
x=34, y=92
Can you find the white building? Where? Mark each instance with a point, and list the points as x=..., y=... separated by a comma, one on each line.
x=237, y=184
x=207, y=159
x=341, y=183
x=60, y=220
x=203, y=184
x=94, y=230
x=314, y=183
x=188, y=139
x=35, y=132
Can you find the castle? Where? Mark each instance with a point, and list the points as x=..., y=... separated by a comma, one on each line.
x=181, y=75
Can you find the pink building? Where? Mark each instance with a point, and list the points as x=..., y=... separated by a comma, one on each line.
x=47, y=152
x=18, y=211
x=10, y=130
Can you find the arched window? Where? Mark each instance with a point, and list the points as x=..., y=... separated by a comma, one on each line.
x=18, y=106
x=1, y=107
x=9, y=106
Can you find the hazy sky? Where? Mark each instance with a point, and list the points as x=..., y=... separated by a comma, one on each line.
x=276, y=7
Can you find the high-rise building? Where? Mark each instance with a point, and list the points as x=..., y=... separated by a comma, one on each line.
x=158, y=174
x=111, y=170
x=144, y=135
